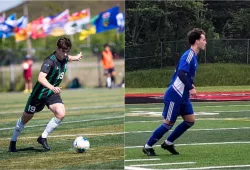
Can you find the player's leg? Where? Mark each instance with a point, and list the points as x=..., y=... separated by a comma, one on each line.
x=189, y=119
x=56, y=105
x=18, y=129
x=26, y=85
x=170, y=113
x=32, y=106
x=113, y=74
x=108, y=80
x=30, y=84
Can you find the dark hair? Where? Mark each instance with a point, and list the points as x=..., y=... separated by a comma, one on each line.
x=106, y=45
x=194, y=34
x=64, y=43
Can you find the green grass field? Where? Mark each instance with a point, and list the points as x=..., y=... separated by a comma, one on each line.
x=220, y=138
x=97, y=114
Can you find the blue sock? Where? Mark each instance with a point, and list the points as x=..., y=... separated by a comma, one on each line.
x=179, y=130
x=158, y=133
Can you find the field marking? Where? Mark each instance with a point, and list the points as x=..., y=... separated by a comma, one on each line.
x=195, y=144
x=215, y=129
x=160, y=113
x=135, y=168
x=73, y=108
x=159, y=164
x=134, y=160
x=88, y=120
x=71, y=135
x=217, y=119
x=213, y=167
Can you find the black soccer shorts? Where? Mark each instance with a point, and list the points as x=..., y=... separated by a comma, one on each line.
x=34, y=104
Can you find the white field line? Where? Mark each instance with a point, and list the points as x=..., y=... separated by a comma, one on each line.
x=71, y=135
x=215, y=111
x=196, y=144
x=136, y=168
x=217, y=119
x=213, y=167
x=159, y=164
x=69, y=109
x=155, y=108
x=135, y=160
x=106, y=118
x=215, y=129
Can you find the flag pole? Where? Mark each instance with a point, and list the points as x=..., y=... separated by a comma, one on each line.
x=25, y=12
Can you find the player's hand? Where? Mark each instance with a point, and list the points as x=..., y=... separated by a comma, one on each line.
x=56, y=90
x=192, y=92
x=79, y=56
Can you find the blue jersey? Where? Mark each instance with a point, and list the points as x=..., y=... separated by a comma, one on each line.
x=188, y=63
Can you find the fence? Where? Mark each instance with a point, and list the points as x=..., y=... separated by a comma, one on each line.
x=159, y=55
x=89, y=70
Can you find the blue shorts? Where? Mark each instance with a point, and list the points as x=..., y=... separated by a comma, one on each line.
x=173, y=109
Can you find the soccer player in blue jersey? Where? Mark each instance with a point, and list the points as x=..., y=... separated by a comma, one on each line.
x=47, y=92
x=176, y=98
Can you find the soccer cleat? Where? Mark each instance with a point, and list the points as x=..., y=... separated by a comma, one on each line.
x=12, y=147
x=43, y=142
x=170, y=148
x=149, y=151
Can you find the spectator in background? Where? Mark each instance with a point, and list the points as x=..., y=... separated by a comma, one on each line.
x=108, y=65
x=27, y=73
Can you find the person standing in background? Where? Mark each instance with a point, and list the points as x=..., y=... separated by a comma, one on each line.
x=108, y=65
x=27, y=74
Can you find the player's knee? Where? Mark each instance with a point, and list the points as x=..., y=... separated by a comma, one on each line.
x=189, y=124
x=167, y=122
x=167, y=126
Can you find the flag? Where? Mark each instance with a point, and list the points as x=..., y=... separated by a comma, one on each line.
x=120, y=22
x=21, y=31
x=88, y=29
x=79, y=15
x=107, y=20
x=7, y=27
x=36, y=28
x=55, y=25
x=2, y=18
x=76, y=21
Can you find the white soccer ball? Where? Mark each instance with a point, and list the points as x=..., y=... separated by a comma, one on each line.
x=25, y=66
x=81, y=144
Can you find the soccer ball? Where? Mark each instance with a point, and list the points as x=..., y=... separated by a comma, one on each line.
x=81, y=144
x=25, y=66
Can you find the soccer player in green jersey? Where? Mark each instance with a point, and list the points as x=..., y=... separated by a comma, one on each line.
x=47, y=92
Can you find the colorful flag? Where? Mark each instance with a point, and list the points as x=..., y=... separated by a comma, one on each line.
x=107, y=20
x=88, y=29
x=20, y=31
x=79, y=15
x=55, y=25
x=36, y=28
x=75, y=26
x=7, y=27
x=120, y=22
x=2, y=18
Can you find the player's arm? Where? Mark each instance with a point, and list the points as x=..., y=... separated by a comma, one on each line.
x=183, y=77
x=78, y=57
x=45, y=69
x=42, y=80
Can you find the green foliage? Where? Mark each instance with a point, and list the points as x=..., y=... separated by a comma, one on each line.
x=207, y=75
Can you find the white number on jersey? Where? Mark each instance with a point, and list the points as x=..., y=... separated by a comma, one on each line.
x=61, y=75
x=31, y=109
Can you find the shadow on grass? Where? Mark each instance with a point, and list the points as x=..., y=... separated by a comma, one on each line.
x=31, y=149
